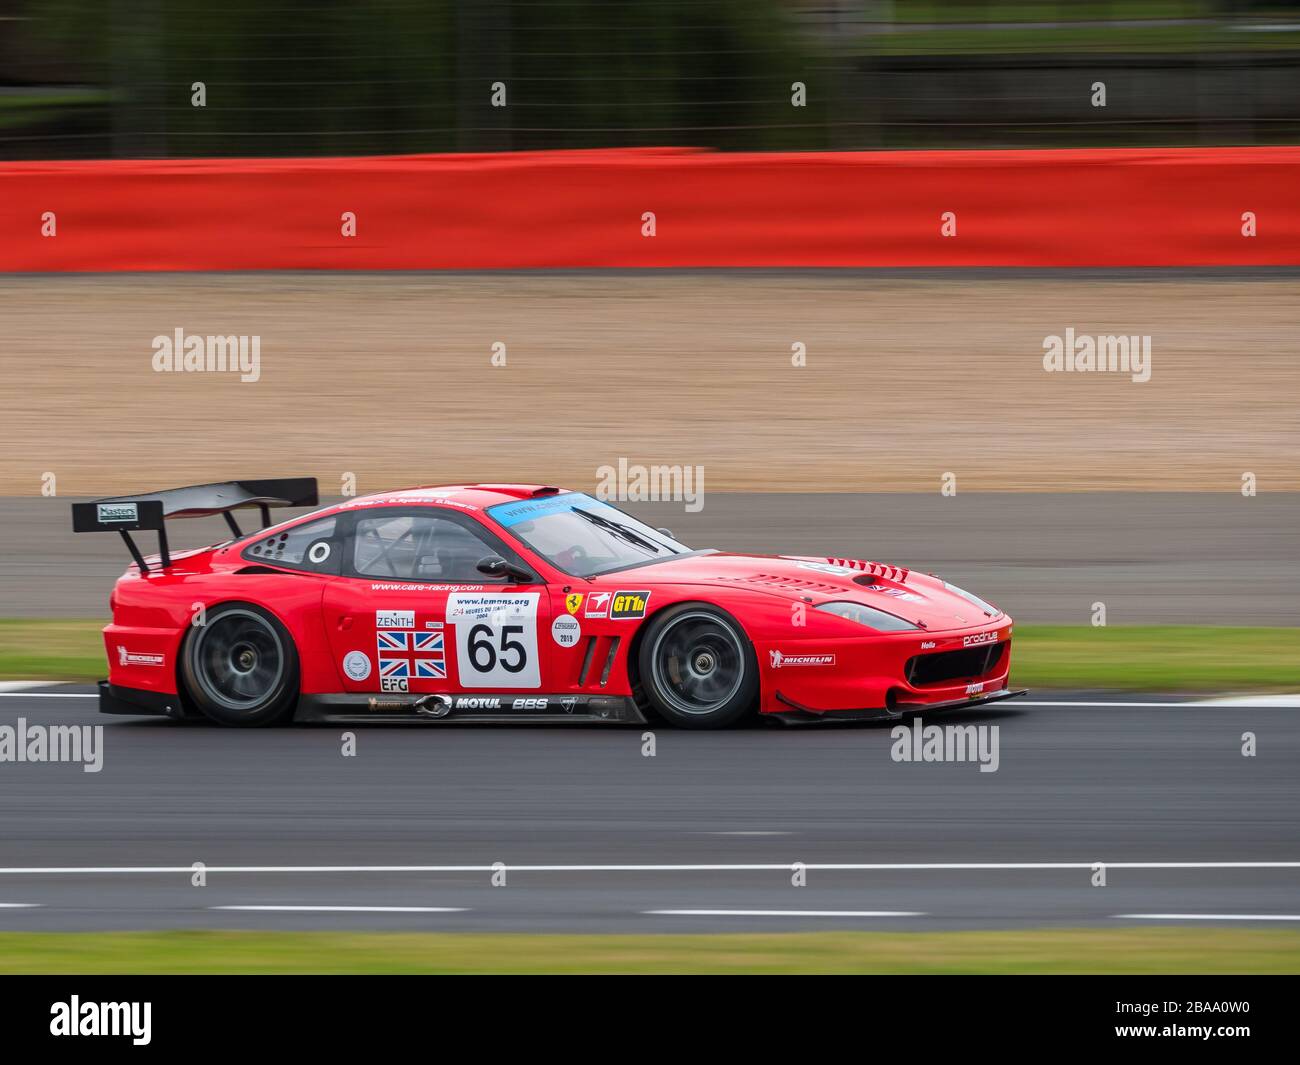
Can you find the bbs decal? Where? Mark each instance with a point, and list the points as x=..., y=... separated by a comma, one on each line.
x=496, y=639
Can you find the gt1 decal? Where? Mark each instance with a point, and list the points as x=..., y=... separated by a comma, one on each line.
x=135, y=658
x=394, y=619
x=979, y=638
x=572, y=602
x=780, y=660
x=496, y=639
x=356, y=665
x=627, y=605
x=598, y=604
x=566, y=631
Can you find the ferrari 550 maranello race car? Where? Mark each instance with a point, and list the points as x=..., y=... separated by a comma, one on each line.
x=508, y=602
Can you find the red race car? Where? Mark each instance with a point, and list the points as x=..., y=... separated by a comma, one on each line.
x=510, y=602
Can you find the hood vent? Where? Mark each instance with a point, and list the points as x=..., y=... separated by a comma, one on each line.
x=801, y=584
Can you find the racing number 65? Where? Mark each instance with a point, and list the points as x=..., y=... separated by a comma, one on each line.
x=480, y=640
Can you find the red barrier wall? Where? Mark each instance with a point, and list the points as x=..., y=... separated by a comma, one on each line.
x=1114, y=207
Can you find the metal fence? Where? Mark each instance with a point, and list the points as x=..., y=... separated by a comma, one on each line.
x=154, y=78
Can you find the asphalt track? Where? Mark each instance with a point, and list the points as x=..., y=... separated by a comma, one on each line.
x=1076, y=784
x=1167, y=557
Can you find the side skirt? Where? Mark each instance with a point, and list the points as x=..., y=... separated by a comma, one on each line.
x=346, y=708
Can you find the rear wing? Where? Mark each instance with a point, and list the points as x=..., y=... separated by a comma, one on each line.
x=128, y=514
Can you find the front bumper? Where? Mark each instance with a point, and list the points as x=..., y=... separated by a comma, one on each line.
x=794, y=714
x=115, y=699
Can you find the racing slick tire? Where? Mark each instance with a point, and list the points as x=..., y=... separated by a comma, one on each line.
x=697, y=668
x=240, y=667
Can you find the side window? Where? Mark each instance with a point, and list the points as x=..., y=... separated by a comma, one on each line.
x=312, y=546
x=423, y=547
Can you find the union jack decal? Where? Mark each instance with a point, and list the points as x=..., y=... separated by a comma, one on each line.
x=411, y=655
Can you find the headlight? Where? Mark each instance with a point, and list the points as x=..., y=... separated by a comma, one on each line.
x=868, y=616
x=988, y=608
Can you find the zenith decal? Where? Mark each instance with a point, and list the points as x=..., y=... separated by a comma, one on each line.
x=394, y=619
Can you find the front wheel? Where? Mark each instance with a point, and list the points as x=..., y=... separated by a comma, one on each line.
x=240, y=667
x=697, y=667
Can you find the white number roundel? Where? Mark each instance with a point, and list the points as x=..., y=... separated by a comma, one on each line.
x=496, y=639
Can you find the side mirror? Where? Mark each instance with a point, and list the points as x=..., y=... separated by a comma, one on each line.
x=667, y=532
x=496, y=566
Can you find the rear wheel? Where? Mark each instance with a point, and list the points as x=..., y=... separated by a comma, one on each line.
x=697, y=668
x=240, y=667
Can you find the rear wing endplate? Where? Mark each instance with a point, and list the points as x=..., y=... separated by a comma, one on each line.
x=128, y=514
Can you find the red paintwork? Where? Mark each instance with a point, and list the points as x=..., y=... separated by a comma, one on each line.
x=772, y=597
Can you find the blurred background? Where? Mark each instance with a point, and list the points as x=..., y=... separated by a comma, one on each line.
x=112, y=78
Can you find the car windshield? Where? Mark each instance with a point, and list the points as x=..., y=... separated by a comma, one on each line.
x=583, y=536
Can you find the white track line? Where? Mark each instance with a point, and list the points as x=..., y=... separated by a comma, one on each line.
x=96, y=870
x=19, y=905
x=21, y=686
x=1209, y=916
x=348, y=909
x=783, y=913
x=50, y=695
